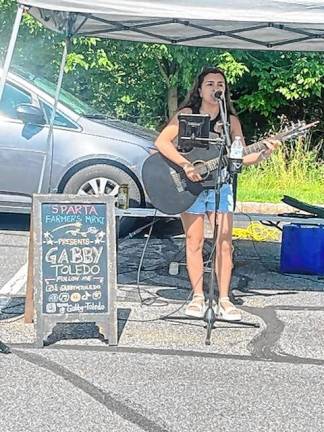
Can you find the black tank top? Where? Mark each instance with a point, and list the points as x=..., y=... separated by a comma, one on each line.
x=213, y=122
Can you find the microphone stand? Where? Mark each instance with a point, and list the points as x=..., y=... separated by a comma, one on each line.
x=219, y=96
x=210, y=316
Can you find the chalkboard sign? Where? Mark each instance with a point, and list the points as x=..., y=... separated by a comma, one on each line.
x=75, y=259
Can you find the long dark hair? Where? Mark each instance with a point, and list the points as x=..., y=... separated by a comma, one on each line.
x=193, y=100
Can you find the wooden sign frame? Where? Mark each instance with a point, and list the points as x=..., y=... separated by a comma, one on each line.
x=45, y=322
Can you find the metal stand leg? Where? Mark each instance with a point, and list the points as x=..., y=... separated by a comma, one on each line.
x=210, y=316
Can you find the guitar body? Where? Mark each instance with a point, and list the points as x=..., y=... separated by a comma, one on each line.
x=167, y=185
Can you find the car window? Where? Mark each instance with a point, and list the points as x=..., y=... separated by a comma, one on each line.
x=12, y=97
x=60, y=120
x=65, y=97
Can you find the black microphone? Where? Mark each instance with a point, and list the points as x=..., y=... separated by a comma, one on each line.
x=219, y=94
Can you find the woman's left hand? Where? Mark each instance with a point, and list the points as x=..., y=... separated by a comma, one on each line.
x=271, y=144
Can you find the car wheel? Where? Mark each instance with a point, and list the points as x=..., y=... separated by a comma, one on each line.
x=105, y=180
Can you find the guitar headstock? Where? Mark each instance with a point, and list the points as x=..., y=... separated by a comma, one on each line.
x=293, y=130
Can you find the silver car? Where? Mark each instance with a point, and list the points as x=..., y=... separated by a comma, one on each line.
x=91, y=153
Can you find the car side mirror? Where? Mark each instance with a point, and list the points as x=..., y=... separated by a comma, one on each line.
x=28, y=113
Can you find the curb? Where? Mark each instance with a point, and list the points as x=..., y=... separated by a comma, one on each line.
x=265, y=208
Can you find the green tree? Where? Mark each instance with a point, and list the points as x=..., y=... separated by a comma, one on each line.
x=144, y=83
x=288, y=83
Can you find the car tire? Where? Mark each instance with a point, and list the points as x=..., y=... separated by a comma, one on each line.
x=105, y=179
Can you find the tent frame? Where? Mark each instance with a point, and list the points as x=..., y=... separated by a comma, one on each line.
x=137, y=28
x=11, y=48
x=66, y=23
x=115, y=26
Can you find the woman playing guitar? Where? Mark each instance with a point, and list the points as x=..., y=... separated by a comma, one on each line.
x=201, y=100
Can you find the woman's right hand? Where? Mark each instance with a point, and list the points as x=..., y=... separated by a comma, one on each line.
x=191, y=172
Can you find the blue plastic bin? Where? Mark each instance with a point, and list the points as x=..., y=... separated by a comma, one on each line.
x=302, y=249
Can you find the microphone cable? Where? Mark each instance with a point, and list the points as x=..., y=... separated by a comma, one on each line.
x=168, y=315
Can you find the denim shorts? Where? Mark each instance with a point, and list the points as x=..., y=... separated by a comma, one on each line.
x=205, y=202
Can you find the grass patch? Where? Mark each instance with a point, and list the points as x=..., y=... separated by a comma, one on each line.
x=293, y=169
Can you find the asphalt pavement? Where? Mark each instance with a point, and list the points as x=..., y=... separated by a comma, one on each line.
x=162, y=376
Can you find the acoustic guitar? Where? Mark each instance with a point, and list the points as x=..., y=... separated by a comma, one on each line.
x=167, y=185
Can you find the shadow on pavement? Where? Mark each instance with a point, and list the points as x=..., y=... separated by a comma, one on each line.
x=14, y=222
x=86, y=330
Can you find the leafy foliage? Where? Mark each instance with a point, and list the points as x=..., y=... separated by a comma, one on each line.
x=292, y=170
x=145, y=82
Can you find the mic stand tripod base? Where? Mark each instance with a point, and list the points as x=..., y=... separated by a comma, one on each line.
x=210, y=318
x=4, y=349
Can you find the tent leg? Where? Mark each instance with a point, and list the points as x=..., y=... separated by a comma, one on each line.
x=47, y=163
x=11, y=48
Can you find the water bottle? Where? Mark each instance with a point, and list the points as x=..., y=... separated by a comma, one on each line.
x=123, y=197
x=236, y=156
x=236, y=148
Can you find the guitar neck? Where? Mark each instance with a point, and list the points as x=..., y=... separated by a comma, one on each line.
x=256, y=147
x=292, y=132
x=259, y=145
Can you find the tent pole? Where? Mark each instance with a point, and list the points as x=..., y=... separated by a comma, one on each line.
x=47, y=163
x=11, y=48
x=4, y=348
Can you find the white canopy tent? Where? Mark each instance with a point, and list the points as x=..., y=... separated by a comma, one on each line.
x=243, y=24
x=240, y=24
